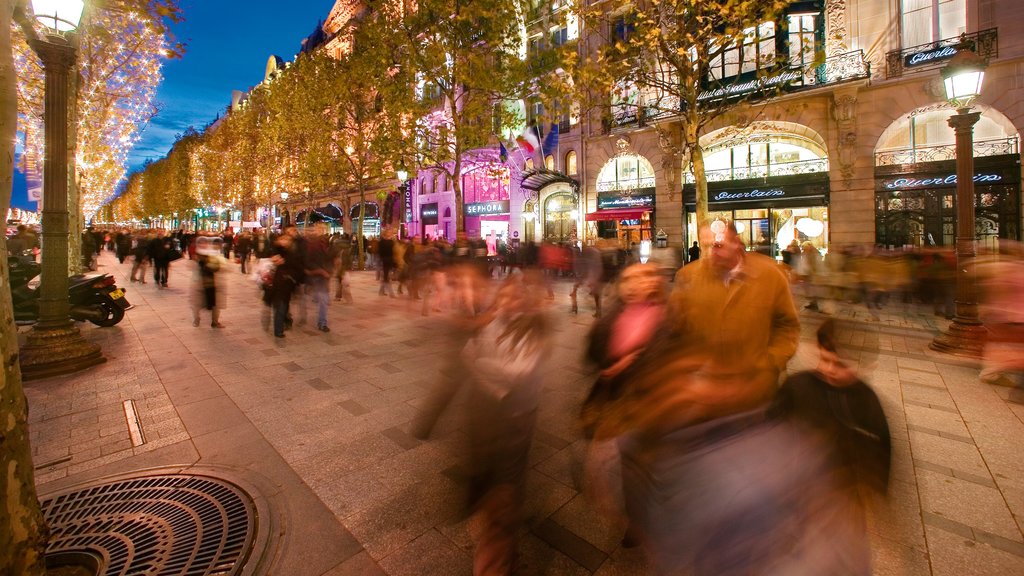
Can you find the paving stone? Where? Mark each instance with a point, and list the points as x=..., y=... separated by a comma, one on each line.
x=957, y=555
x=979, y=507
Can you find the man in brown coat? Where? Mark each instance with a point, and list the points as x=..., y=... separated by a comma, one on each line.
x=736, y=327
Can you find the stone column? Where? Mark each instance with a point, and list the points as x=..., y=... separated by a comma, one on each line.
x=55, y=345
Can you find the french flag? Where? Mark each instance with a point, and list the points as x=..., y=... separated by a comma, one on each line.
x=528, y=140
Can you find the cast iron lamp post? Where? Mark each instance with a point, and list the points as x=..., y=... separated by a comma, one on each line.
x=54, y=344
x=962, y=78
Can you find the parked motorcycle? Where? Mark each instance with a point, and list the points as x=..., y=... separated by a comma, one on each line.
x=94, y=297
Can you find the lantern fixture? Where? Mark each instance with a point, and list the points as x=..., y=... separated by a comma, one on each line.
x=58, y=15
x=962, y=78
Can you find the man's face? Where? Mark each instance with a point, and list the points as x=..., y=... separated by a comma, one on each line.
x=725, y=248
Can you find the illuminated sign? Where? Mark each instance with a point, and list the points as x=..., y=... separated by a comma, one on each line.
x=408, y=201
x=948, y=181
x=929, y=56
x=487, y=208
x=741, y=88
x=640, y=199
x=428, y=213
x=751, y=194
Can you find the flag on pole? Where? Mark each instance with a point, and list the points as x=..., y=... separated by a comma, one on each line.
x=528, y=140
x=502, y=152
x=551, y=140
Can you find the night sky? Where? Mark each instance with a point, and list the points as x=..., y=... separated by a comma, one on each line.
x=227, y=46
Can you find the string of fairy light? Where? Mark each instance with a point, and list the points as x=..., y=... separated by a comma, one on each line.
x=118, y=73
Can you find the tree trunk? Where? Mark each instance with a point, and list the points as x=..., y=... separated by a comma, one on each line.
x=699, y=177
x=22, y=530
x=359, y=232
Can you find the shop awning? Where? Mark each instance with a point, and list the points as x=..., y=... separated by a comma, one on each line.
x=329, y=213
x=620, y=214
x=537, y=179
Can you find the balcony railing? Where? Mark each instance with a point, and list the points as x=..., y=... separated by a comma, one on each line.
x=935, y=54
x=763, y=171
x=992, y=147
x=835, y=70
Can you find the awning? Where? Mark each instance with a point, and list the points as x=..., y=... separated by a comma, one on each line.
x=620, y=214
x=537, y=179
x=329, y=213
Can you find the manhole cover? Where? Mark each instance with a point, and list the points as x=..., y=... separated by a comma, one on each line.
x=173, y=524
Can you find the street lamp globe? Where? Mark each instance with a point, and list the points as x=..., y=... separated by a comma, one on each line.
x=58, y=15
x=284, y=196
x=402, y=174
x=962, y=78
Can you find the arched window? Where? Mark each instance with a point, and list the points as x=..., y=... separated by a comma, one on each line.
x=528, y=165
x=925, y=136
x=763, y=155
x=570, y=163
x=626, y=172
x=549, y=162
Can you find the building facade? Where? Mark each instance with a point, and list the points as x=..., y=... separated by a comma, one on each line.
x=855, y=149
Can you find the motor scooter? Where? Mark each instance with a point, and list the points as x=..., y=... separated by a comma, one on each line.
x=93, y=297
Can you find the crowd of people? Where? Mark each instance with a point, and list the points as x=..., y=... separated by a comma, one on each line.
x=707, y=452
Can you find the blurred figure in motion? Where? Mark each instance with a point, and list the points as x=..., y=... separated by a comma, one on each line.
x=278, y=292
x=206, y=292
x=588, y=271
x=836, y=410
x=712, y=486
x=1002, y=311
x=621, y=344
x=505, y=360
x=463, y=320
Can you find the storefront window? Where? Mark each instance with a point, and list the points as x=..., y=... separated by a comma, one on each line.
x=770, y=231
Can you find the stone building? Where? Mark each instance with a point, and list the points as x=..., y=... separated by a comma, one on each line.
x=855, y=150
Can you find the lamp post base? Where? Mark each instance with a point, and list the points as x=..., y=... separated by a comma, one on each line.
x=57, y=351
x=963, y=338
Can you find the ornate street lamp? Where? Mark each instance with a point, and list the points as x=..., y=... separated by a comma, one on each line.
x=962, y=78
x=54, y=345
x=402, y=173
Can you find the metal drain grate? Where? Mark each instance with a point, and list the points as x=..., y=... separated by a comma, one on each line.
x=173, y=524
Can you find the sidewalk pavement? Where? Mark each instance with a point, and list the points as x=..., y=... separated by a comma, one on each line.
x=319, y=425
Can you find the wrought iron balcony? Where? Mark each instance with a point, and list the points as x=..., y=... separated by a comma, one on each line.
x=763, y=171
x=935, y=54
x=993, y=147
x=835, y=70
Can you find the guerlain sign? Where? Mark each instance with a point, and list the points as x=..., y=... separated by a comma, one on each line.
x=907, y=183
x=929, y=56
x=749, y=195
x=756, y=84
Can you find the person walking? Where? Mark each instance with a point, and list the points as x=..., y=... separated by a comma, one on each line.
x=386, y=257
x=159, y=252
x=319, y=268
x=698, y=428
x=693, y=254
x=243, y=248
x=206, y=292
x=278, y=293
x=141, y=257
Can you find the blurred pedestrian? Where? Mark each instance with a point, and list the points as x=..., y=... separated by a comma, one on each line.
x=278, y=293
x=207, y=293
x=1002, y=310
x=319, y=269
x=386, y=257
x=140, y=254
x=843, y=416
x=505, y=361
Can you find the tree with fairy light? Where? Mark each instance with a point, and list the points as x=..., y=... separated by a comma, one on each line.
x=121, y=46
x=677, y=66
x=459, y=58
